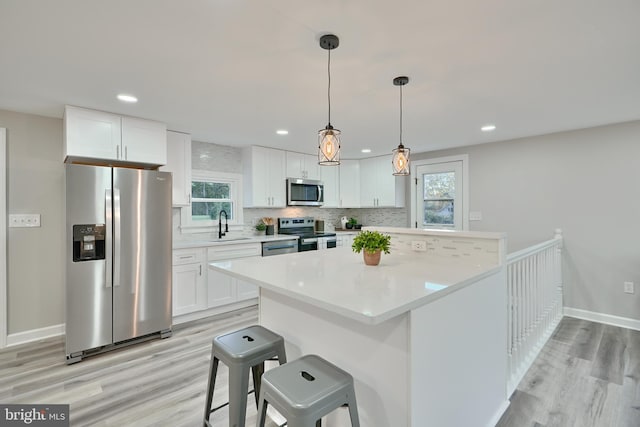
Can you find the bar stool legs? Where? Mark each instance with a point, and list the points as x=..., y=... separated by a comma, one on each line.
x=241, y=351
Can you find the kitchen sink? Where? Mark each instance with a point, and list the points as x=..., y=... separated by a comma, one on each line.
x=232, y=239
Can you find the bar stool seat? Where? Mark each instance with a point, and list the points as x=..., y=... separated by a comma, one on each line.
x=305, y=390
x=242, y=350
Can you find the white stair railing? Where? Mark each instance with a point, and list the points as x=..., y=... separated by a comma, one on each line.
x=534, y=289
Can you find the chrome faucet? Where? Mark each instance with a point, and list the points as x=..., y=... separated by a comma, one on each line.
x=226, y=224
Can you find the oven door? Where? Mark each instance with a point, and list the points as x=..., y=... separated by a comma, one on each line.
x=308, y=244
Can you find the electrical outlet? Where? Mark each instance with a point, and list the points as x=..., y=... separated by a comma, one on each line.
x=628, y=287
x=25, y=220
x=475, y=216
x=419, y=245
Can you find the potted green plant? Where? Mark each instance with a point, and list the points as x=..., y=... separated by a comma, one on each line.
x=371, y=244
x=260, y=227
x=351, y=223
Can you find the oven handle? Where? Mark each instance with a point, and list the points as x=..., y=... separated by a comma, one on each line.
x=309, y=240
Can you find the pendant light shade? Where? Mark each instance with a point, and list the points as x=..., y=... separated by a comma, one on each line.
x=400, y=159
x=329, y=138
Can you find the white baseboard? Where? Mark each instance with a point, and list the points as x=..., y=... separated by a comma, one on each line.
x=499, y=413
x=607, y=319
x=35, y=335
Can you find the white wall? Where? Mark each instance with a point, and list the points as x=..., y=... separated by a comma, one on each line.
x=35, y=255
x=585, y=182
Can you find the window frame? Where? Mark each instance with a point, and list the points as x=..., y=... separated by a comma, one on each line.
x=464, y=158
x=187, y=224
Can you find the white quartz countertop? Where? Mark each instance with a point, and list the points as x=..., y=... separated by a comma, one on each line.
x=184, y=244
x=338, y=280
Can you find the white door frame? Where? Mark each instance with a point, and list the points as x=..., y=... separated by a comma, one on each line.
x=3, y=238
x=464, y=158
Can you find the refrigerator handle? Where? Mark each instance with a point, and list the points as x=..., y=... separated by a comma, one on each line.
x=116, y=237
x=109, y=255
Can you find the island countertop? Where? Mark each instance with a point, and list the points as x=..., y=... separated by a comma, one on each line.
x=337, y=280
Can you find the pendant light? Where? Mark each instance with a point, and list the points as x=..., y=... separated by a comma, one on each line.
x=329, y=138
x=400, y=160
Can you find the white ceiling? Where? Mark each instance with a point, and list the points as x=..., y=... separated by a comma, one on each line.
x=234, y=71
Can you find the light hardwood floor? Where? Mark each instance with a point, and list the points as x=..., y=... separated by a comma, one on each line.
x=155, y=383
x=587, y=375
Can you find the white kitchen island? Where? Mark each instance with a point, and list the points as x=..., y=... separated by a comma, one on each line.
x=423, y=333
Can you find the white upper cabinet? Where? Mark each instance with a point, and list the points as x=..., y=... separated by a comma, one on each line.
x=264, y=177
x=101, y=137
x=144, y=141
x=302, y=166
x=330, y=177
x=378, y=186
x=91, y=134
x=349, y=183
x=179, y=164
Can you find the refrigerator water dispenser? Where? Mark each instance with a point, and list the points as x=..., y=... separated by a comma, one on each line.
x=88, y=242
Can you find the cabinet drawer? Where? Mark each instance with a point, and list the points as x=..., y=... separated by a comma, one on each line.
x=243, y=250
x=188, y=256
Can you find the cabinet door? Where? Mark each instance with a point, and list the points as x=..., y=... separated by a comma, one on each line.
x=189, y=293
x=311, y=167
x=295, y=165
x=330, y=177
x=276, y=178
x=246, y=290
x=221, y=289
x=144, y=141
x=368, y=182
x=179, y=164
x=349, y=183
x=91, y=134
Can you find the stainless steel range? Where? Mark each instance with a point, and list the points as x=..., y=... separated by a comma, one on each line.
x=309, y=239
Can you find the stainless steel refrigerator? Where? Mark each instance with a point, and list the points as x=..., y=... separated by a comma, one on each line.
x=118, y=275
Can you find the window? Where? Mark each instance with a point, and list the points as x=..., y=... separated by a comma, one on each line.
x=439, y=196
x=211, y=193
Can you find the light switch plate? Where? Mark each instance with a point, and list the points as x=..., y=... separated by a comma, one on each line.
x=24, y=220
x=628, y=287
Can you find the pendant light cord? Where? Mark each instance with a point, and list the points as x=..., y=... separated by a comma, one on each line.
x=401, y=114
x=329, y=86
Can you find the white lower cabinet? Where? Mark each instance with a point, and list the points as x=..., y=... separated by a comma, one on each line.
x=222, y=288
x=345, y=239
x=189, y=283
x=199, y=291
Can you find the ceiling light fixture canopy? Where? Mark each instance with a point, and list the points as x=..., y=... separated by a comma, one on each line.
x=329, y=137
x=400, y=159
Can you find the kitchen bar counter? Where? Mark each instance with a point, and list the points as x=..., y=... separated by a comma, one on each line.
x=423, y=333
x=338, y=281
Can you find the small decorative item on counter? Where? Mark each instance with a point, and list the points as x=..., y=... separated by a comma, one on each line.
x=352, y=223
x=260, y=227
x=268, y=221
x=372, y=244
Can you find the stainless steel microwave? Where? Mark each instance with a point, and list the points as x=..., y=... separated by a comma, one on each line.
x=304, y=192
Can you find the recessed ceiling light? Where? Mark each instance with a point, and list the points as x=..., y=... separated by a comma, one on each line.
x=127, y=98
x=366, y=150
x=282, y=132
x=488, y=128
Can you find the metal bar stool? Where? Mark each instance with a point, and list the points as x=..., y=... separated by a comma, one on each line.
x=241, y=351
x=305, y=390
